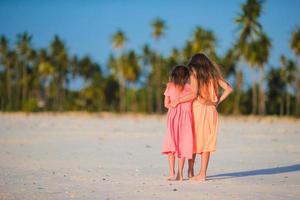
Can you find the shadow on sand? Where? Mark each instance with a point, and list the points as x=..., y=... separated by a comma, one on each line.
x=267, y=171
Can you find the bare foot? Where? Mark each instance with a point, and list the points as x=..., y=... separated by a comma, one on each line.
x=199, y=177
x=179, y=177
x=171, y=177
x=190, y=174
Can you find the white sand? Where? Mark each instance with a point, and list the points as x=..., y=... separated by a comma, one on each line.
x=81, y=156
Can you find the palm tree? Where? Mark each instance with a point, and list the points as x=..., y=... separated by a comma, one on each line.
x=295, y=46
x=131, y=72
x=289, y=69
x=187, y=50
x=229, y=67
x=3, y=56
x=204, y=41
x=262, y=51
x=59, y=59
x=25, y=58
x=250, y=30
x=276, y=86
x=7, y=60
x=132, y=69
x=118, y=42
x=173, y=59
x=119, y=39
x=158, y=28
x=175, y=55
x=147, y=58
x=86, y=69
x=92, y=91
x=45, y=72
x=248, y=23
x=158, y=31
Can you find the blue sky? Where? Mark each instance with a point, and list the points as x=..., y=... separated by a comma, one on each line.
x=86, y=26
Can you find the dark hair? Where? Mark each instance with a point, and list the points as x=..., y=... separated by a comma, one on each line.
x=180, y=76
x=205, y=71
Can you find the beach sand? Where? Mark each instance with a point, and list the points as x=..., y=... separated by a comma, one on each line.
x=106, y=156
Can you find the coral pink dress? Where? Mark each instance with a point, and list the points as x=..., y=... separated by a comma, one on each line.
x=179, y=135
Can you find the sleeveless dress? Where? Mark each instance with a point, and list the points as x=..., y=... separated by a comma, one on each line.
x=205, y=121
x=179, y=135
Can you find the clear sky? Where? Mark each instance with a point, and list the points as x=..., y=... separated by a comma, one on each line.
x=86, y=26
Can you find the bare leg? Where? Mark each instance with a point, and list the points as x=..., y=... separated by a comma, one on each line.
x=191, y=166
x=180, y=169
x=171, y=159
x=204, y=164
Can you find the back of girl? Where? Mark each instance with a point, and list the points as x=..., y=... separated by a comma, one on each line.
x=178, y=87
x=206, y=80
x=178, y=140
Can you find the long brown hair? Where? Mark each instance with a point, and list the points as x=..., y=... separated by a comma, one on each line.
x=179, y=76
x=206, y=72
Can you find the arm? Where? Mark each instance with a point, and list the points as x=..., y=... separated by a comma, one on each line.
x=227, y=90
x=188, y=97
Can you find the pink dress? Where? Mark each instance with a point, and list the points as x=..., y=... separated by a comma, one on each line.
x=179, y=135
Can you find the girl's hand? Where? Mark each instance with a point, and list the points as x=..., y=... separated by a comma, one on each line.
x=174, y=103
x=217, y=103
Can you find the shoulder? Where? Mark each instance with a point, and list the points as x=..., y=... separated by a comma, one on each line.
x=188, y=85
x=169, y=88
x=193, y=75
x=170, y=84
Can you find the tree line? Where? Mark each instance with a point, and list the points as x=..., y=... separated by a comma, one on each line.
x=39, y=79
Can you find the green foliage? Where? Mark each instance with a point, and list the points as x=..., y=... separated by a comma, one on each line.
x=276, y=90
x=295, y=41
x=30, y=105
x=158, y=27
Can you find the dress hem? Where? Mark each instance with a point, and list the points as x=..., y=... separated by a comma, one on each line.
x=209, y=151
x=175, y=154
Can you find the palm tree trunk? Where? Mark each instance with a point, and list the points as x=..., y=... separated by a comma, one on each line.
x=158, y=78
x=8, y=88
x=122, y=97
x=298, y=96
x=18, y=98
x=58, y=94
x=158, y=89
x=158, y=100
x=121, y=80
x=288, y=103
x=254, y=95
x=254, y=99
x=149, y=99
x=262, y=104
x=2, y=102
x=24, y=85
x=281, y=107
x=135, y=101
x=126, y=99
x=238, y=83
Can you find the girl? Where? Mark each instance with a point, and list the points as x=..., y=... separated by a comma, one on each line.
x=205, y=82
x=178, y=140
